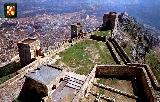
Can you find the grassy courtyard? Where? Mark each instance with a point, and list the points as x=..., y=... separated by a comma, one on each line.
x=83, y=56
x=103, y=33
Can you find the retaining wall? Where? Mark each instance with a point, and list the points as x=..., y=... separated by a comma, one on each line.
x=128, y=71
x=121, y=51
x=98, y=38
x=149, y=72
x=113, y=53
x=116, y=70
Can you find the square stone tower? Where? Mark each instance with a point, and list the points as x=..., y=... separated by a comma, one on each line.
x=28, y=50
x=76, y=30
x=109, y=20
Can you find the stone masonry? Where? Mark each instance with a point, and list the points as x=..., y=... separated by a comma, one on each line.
x=28, y=50
x=76, y=30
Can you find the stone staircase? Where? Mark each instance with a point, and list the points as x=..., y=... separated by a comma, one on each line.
x=74, y=81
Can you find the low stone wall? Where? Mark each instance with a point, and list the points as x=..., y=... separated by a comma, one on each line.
x=128, y=71
x=152, y=77
x=98, y=38
x=112, y=53
x=116, y=70
x=106, y=87
x=122, y=51
x=118, y=51
x=86, y=86
x=147, y=86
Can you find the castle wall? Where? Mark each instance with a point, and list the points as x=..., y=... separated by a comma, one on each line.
x=121, y=51
x=127, y=71
x=14, y=85
x=116, y=70
x=98, y=38
x=150, y=74
x=147, y=87
x=112, y=53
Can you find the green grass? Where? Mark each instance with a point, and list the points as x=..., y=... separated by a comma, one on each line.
x=101, y=81
x=81, y=59
x=16, y=100
x=101, y=91
x=8, y=71
x=128, y=49
x=153, y=61
x=7, y=77
x=113, y=80
x=103, y=33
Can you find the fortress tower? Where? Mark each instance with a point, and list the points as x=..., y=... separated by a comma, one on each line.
x=28, y=50
x=109, y=20
x=76, y=30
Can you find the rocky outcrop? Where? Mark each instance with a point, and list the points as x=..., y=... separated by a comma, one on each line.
x=134, y=28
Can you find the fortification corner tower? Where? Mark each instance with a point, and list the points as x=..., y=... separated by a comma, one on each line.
x=29, y=50
x=76, y=30
x=109, y=20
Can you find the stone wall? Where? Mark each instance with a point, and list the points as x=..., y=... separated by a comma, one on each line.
x=98, y=38
x=27, y=50
x=109, y=20
x=86, y=86
x=112, y=53
x=128, y=71
x=116, y=70
x=13, y=85
x=67, y=43
x=147, y=86
x=150, y=74
x=11, y=89
x=128, y=60
x=32, y=84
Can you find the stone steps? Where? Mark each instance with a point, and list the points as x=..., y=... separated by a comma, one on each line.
x=73, y=82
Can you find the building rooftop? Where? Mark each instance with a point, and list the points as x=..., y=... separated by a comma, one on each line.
x=44, y=74
x=29, y=40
